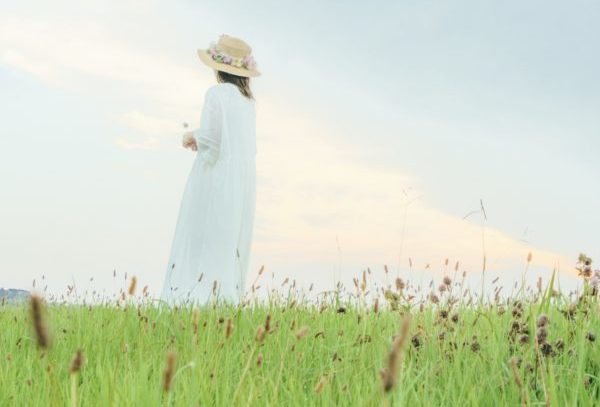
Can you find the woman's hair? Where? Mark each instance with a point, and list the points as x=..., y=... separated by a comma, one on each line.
x=242, y=83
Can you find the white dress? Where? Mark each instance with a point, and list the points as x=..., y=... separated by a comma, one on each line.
x=210, y=252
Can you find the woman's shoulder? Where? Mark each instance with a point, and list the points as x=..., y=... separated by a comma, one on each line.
x=213, y=90
x=219, y=91
x=223, y=87
x=222, y=91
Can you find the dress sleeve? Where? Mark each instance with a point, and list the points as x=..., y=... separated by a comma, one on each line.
x=208, y=135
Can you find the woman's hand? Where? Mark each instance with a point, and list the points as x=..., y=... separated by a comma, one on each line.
x=189, y=141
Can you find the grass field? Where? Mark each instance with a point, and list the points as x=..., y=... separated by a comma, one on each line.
x=539, y=350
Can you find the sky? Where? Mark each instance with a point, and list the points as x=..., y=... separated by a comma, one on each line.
x=382, y=129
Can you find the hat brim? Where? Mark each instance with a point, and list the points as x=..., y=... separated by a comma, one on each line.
x=247, y=73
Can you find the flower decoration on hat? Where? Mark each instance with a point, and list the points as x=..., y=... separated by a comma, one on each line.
x=246, y=62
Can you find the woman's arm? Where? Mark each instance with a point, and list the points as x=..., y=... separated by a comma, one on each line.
x=207, y=138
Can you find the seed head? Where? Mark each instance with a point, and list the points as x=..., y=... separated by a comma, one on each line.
x=195, y=320
x=132, y=286
x=77, y=362
x=400, y=284
x=260, y=333
x=542, y=334
x=169, y=371
x=302, y=332
x=320, y=384
x=542, y=321
x=546, y=349
x=41, y=330
x=416, y=340
x=447, y=281
x=228, y=328
x=390, y=373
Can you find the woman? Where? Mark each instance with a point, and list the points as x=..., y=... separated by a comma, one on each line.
x=211, y=248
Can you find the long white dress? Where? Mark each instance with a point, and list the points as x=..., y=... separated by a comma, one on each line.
x=211, y=248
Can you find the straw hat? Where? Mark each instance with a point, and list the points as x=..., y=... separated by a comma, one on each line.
x=231, y=55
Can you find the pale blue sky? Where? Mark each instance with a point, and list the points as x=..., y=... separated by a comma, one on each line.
x=459, y=101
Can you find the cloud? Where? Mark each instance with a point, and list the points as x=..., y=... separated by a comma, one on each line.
x=31, y=65
x=87, y=57
x=82, y=47
x=313, y=196
x=146, y=144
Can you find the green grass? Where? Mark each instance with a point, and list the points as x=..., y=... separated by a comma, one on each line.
x=445, y=362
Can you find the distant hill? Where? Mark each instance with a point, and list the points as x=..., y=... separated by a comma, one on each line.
x=12, y=294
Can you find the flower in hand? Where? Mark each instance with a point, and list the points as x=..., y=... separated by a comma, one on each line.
x=189, y=141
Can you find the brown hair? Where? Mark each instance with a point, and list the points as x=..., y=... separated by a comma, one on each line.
x=242, y=83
